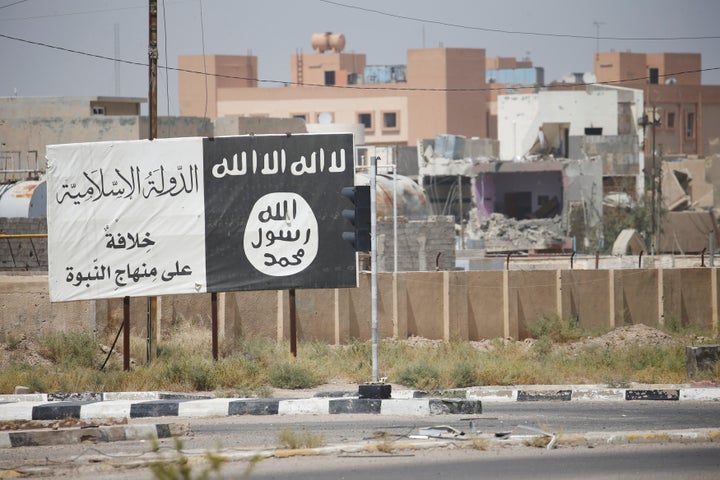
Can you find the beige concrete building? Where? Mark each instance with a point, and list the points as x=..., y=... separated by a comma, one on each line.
x=438, y=90
x=688, y=112
x=28, y=124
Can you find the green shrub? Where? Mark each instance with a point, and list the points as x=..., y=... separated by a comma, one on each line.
x=293, y=440
x=464, y=375
x=556, y=329
x=421, y=376
x=197, y=373
x=292, y=375
x=70, y=349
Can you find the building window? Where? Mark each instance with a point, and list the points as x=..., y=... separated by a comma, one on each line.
x=690, y=126
x=366, y=119
x=654, y=76
x=670, y=120
x=593, y=131
x=98, y=110
x=303, y=116
x=330, y=77
x=390, y=121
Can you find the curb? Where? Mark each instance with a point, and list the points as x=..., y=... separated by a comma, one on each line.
x=403, y=402
x=107, y=433
x=116, y=433
x=579, y=393
x=58, y=410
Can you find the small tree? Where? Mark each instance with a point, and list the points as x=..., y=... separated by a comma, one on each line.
x=638, y=217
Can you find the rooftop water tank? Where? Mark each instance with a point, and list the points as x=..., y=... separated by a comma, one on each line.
x=27, y=199
x=323, y=42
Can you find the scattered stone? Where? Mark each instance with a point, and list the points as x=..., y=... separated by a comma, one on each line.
x=498, y=230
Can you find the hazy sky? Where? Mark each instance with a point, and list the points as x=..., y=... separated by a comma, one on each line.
x=548, y=32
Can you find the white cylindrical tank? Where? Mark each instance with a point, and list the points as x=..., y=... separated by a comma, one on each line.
x=27, y=199
x=323, y=42
x=411, y=201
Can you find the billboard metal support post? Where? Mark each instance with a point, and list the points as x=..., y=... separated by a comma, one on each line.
x=293, y=324
x=126, y=333
x=214, y=315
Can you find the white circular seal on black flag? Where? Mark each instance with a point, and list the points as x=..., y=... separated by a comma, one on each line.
x=281, y=234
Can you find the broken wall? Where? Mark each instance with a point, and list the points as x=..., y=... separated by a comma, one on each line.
x=583, y=189
x=620, y=154
x=421, y=244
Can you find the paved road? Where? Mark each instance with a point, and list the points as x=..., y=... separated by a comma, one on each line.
x=557, y=417
x=660, y=462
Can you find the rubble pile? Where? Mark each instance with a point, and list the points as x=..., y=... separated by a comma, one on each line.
x=499, y=232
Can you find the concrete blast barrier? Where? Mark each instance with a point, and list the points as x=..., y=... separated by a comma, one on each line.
x=443, y=305
x=701, y=358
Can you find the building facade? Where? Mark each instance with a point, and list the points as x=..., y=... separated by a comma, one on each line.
x=683, y=116
x=437, y=90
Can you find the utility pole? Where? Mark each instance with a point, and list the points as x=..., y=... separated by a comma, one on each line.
x=152, y=70
x=653, y=219
x=152, y=135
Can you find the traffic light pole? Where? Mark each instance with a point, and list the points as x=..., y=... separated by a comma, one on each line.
x=373, y=266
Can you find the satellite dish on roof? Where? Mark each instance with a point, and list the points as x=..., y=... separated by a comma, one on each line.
x=325, y=118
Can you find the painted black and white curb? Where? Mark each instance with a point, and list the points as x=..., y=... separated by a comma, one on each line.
x=583, y=393
x=403, y=402
x=57, y=410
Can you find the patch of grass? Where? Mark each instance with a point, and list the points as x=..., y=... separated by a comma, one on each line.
x=70, y=349
x=385, y=446
x=422, y=376
x=293, y=440
x=465, y=375
x=477, y=443
x=252, y=367
x=292, y=375
x=179, y=467
x=556, y=329
x=540, y=441
x=12, y=342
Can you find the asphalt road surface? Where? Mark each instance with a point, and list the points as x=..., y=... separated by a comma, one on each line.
x=124, y=460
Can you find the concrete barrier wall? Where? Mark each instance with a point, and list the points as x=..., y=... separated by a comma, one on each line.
x=585, y=297
x=636, y=298
x=436, y=305
x=685, y=307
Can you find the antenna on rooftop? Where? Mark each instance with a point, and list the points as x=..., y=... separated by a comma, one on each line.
x=597, y=36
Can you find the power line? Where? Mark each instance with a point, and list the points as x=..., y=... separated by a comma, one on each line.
x=11, y=4
x=396, y=87
x=513, y=32
x=69, y=14
x=86, y=12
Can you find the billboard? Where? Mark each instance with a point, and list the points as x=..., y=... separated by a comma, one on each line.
x=184, y=215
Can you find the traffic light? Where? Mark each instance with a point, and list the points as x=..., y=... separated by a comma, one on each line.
x=359, y=217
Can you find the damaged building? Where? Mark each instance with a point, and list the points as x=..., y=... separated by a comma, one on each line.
x=558, y=153
x=688, y=223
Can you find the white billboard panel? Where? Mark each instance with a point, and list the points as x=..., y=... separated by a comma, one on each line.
x=125, y=218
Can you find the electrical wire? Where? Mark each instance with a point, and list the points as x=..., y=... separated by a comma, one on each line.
x=11, y=4
x=514, y=32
